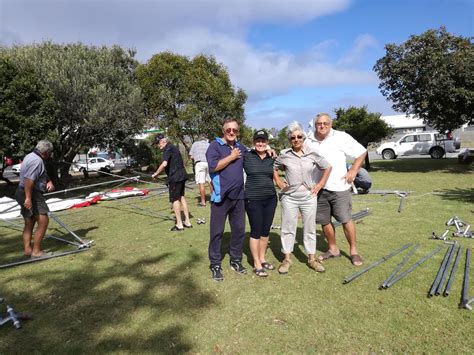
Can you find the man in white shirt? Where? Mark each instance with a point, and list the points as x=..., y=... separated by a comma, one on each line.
x=336, y=197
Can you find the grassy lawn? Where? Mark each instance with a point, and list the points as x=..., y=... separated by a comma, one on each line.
x=142, y=288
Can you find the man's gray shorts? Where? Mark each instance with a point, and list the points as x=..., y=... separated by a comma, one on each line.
x=334, y=203
x=39, y=205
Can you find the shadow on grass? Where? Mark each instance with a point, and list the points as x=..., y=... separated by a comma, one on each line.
x=421, y=165
x=457, y=194
x=140, y=306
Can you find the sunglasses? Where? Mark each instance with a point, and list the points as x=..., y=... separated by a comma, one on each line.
x=296, y=137
x=325, y=124
x=231, y=130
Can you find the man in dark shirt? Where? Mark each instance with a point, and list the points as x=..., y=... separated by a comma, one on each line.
x=224, y=157
x=174, y=167
x=34, y=182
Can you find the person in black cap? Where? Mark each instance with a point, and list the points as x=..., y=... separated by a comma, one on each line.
x=174, y=167
x=260, y=200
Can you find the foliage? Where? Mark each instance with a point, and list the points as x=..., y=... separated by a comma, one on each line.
x=189, y=97
x=281, y=140
x=99, y=102
x=27, y=112
x=363, y=126
x=430, y=76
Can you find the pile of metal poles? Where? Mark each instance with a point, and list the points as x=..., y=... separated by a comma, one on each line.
x=12, y=316
x=358, y=215
x=462, y=229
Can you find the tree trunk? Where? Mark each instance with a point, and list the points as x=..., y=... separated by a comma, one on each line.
x=367, y=162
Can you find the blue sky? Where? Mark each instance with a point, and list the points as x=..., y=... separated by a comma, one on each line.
x=293, y=58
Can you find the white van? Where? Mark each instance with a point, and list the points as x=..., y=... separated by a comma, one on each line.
x=432, y=143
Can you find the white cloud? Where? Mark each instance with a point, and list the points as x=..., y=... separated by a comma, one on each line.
x=355, y=55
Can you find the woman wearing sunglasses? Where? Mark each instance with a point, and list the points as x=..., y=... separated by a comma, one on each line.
x=260, y=200
x=299, y=194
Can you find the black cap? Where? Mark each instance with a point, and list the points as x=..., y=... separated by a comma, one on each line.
x=260, y=134
x=158, y=138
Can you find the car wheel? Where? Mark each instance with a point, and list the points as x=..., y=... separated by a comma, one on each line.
x=388, y=154
x=437, y=153
x=82, y=170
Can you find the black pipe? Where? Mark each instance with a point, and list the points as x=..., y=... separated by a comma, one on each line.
x=453, y=272
x=445, y=272
x=413, y=267
x=349, y=278
x=465, y=287
x=398, y=267
x=442, y=266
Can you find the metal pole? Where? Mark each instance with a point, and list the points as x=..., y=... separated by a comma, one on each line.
x=27, y=261
x=442, y=266
x=413, y=267
x=87, y=186
x=453, y=272
x=349, y=278
x=62, y=224
x=465, y=301
x=398, y=267
x=445, y=271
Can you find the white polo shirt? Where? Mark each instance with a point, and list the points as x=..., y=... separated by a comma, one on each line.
x=336, y=148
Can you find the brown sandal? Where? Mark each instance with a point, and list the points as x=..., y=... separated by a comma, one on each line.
x=356, y=260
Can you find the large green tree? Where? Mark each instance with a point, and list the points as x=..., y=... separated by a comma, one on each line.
x=99, y=102
x=364, y=126
x=430, y=76
x=189, y=98
x=27, y=111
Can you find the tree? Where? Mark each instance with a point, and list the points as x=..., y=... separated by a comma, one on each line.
x=99, y=102
x=27, y=111
x=430, y=76
x=364, y=126
x=189, y=98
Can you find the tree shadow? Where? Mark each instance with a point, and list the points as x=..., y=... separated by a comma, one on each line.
x=141, y=306
x=457, y=194
x=421, y=165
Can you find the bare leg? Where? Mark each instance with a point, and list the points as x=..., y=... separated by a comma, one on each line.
x=27, y=234
x=184, y=205
x=202, y=192
x=177, y=213
x=255, y=250
x=42, y=224
x=262, y=248
x=350, y=233
x=330, y=235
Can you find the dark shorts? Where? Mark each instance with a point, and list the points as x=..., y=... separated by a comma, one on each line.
x=176, y=190
x=39, y=205
x=334, y=203
x=260, y=213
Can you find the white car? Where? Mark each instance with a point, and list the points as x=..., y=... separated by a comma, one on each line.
x=432, y=143
x=94, y=164
x=16, y=169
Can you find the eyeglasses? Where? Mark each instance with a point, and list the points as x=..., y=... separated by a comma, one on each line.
x=296, y=137
x=231, y=130
x=325, y=124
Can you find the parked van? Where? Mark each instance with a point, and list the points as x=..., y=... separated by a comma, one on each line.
x=432, y=143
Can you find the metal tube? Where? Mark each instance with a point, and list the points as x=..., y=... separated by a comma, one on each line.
x=465, y=287
x=349, y=278
x=445, y=271
x=453, y=272
x=87, y=186
x=437, y=279
x=62, y=224
x=414, y=266
x=399, y=267
x=27, y=261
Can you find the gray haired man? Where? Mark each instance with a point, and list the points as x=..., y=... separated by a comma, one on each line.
x=34, y=182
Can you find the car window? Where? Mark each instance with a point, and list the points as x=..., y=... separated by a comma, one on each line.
x=100, y=160
x=92, y=160
x=424, y=137
x=408, y=139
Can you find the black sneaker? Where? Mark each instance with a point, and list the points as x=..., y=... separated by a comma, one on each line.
x=238, y=267
x=216, y=272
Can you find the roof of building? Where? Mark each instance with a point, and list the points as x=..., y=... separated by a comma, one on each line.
x=403, y=121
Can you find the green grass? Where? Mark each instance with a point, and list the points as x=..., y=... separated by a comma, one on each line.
x=142, y=288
